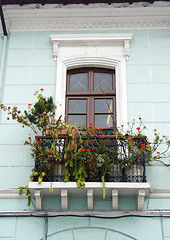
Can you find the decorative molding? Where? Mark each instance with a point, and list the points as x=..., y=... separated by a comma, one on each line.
x=153, y=193
x=11, y=193
x=115, y=199
x=85, y=50
x=96, y=40
x=38, y=194
x=138, y=190
x=86, y=18
x=90, y=199
x=64, y=199
x=140, y=199
x=159, y=193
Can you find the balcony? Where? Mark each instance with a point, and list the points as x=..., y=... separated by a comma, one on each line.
x=126, y=175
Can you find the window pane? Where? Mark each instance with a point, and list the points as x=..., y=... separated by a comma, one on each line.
x=104, y=120
x=103, y=80
x=78, y=120
x=77, y=106
x=103, y=105
x=78, y=82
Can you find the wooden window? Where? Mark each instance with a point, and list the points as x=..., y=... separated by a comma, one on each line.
x=91, y=97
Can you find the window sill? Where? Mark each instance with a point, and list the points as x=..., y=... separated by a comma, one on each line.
x=92, y=189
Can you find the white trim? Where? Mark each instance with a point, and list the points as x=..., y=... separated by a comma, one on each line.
x=153, y=193
x=99, y=50
x=92, y=189
x=82, y=17
x=11, y=193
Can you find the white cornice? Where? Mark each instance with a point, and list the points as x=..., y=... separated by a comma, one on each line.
x=86, y=18
x=60, y=40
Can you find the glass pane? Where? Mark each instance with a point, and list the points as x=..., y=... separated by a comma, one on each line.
x=104, y=121
x=103, y=80
x=78, y=120
x=77, y=106
x=103, y=105
x=78, y=82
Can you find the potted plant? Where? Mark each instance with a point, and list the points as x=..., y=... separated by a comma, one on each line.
x=87, y=154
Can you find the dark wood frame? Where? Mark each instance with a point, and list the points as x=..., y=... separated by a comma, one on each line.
x=91, y=95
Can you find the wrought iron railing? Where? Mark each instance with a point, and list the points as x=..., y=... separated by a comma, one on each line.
x=128, y=161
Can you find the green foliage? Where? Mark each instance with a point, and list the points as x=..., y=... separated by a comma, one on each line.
x=28, y=201
x=87, y=156
x=20, y=190
x=37, y=112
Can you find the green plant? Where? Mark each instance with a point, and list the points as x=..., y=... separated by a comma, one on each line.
x=87, y=156
x=153, y=150
x=39, y=117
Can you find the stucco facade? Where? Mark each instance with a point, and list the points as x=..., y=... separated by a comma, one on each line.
x=28, y=65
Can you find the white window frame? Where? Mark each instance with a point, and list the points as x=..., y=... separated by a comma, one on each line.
x=92, y=50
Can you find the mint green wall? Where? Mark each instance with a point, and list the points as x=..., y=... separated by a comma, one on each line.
x=1, y=41
x=76, y=228
x=29, y=67
x=148, y=79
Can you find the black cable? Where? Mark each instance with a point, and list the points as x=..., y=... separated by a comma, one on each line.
x=38, y=214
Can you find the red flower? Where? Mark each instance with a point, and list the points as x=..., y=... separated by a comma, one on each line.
x=133, y=119
x=7, y=118
x=40, y=141
x=138, y=128
x=88, y=150
x=36, y=139
x=130, y=141
x=92, y=132
x=29, y=105
x=73, y=144
x=142, y=146
x=51, y=164
x=29, y=138
x=91, y=123
x=101, y=128
x=9, y=108
x=42, y=89
x=101, y=136
x=49, y=153
x=19, y=111
x=163, y=136
x=158, y=152
x=82, y=150
x=95, y=128
x=89, y=130
x=155, y=130
x=84, y=131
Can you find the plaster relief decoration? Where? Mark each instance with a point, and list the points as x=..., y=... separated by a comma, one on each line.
x=85, y=17
x=92, y=50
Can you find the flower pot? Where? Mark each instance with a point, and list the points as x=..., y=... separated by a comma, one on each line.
x=57, y=172
x=59, y=131
x=135, y=173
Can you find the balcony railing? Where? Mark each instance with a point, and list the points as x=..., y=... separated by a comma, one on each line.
x=128, y=163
